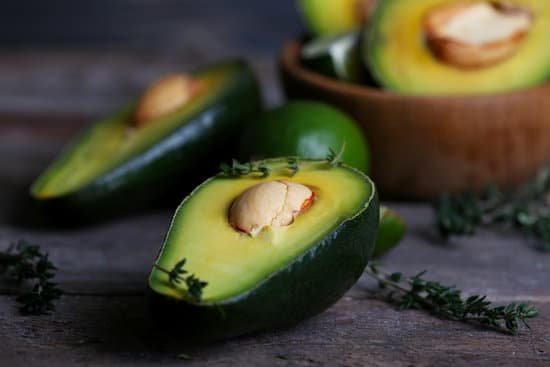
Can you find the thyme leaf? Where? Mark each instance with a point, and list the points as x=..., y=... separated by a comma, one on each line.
x=336, y=159
x=526, y=209
x=178, y=276
x=293, y=165
x=238, y=169
x=27, y=265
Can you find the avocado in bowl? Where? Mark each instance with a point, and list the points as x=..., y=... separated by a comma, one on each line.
x=430, y=131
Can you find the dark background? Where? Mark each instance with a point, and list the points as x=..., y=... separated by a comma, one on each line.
x=151, y=24
x=89, y=57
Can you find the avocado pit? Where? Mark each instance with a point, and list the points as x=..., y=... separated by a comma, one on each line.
x=475, y=34
x=269, y=204
x=164, y=96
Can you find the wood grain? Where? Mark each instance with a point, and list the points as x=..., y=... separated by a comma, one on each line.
x=104, y=317
x=423, y=146
x=95, y=82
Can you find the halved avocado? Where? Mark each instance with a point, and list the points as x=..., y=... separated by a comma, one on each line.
x=116, y=165
x=398, y=54
x=282, y=275
x=330, y=17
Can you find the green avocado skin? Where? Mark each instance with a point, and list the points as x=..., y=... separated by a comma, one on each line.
x=306, y=129
x=280, y=300
x=174, y=164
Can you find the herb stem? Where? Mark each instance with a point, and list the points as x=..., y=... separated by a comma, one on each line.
x=160, y=268
x=447, y=302
x=526, y=209
x=385, y=280
x=179, y=275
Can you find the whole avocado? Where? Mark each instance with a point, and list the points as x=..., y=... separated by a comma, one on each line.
x=306, y=129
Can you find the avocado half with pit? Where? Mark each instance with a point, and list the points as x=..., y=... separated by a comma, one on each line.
x=272, y=250
x=442, y=47
x=180, y=124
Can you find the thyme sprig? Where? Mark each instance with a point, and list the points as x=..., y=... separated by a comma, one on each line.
x=238, y=169
x=178, y=276
x=527, y=209
x=293, y=165
x=446, y=301
x=27, y=265
x=336, y=159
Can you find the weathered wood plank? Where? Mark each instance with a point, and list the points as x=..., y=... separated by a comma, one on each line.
x=357, y=331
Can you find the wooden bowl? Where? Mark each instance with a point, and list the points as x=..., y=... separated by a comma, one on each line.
x=424, y=146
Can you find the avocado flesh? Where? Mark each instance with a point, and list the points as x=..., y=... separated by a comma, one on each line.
x=330, y=17
x=112, y=143
x=401, y=61
x=234, y=263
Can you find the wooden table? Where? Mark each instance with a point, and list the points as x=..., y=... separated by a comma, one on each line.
x=46, y=97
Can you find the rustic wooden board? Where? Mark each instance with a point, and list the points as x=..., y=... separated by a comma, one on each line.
x=104, y=318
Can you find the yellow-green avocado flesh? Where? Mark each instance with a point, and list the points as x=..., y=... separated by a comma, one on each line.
x=400, y=59
x=330, y=17
x=234, y=263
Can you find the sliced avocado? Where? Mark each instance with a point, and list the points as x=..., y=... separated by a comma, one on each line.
x=391, y=230
x=116, y=164
x=330, y=17
x=401, y=58
x=282, y=274
x=337, y=57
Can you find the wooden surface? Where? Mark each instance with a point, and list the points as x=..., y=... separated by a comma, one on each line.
x=103, y=318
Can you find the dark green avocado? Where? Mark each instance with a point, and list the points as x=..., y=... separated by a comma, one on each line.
x=116, y=165
x=280, y=276
x=306, y=129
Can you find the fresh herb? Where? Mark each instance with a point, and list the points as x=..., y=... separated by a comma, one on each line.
x=27, y=264
x=293, y=165
x=446, y=301
x=527, y=209
x=178, y=275
x=238, y=169
x=336, y=159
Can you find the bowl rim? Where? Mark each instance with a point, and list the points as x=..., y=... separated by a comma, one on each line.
x=289, y=62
